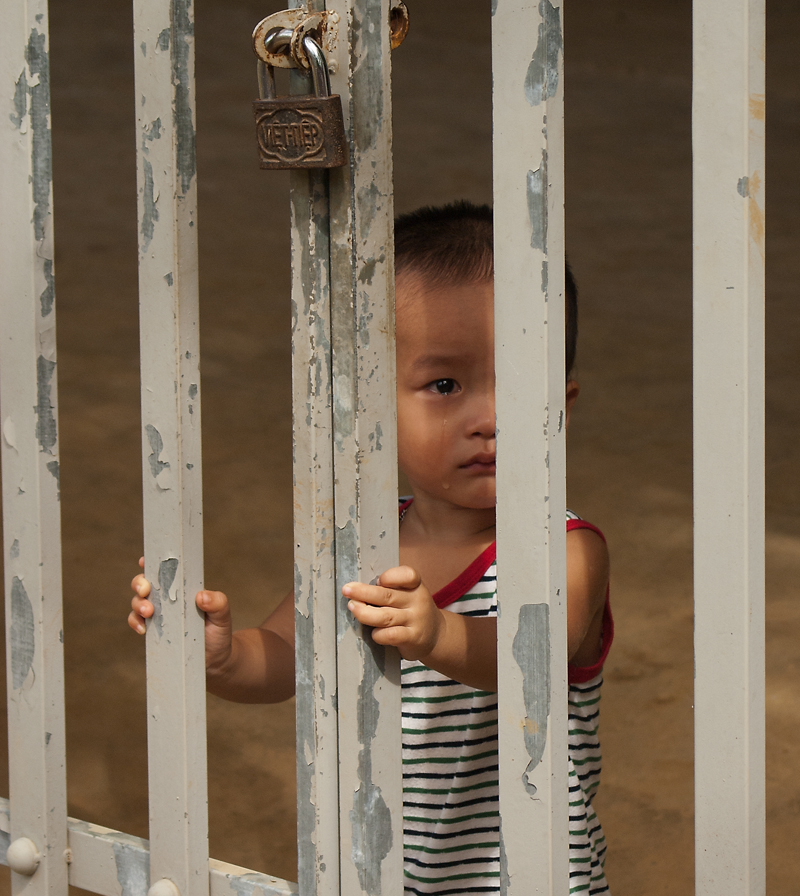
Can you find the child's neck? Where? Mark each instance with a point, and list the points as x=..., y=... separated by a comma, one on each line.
x=440, y=539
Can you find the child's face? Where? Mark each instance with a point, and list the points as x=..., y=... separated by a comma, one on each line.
x=445, y=390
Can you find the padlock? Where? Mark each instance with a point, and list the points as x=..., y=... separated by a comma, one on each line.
x=299, y=131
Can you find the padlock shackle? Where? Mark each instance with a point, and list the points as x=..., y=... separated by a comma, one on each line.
x=277, y=39
x=274, y=42
x=318, y=66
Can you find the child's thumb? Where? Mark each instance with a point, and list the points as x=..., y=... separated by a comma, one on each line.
x=215, y=605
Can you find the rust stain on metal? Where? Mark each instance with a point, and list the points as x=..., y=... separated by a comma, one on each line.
x=757, y=106
x=398, y=23
x=755, y=212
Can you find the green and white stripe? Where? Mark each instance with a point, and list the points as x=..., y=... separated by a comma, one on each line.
x=450, y=777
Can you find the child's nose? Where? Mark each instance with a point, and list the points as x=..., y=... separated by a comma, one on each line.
x=484, y=422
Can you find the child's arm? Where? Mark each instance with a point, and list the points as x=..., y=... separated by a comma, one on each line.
x=587, y=586
x=254, y=665
x=403, y=614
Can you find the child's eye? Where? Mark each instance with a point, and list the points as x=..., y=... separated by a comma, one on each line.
x=445, y=386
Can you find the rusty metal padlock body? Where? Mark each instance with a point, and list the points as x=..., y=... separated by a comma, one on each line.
x=305, y=131
x=300, y=132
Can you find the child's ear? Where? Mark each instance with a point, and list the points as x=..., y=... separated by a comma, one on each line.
x=573, y=390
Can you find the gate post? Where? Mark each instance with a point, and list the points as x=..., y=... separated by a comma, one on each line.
x=29, y=439
x=728, y=152
x=169, y=348
x=528, y=147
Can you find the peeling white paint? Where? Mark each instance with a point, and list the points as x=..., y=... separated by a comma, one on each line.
x=10, y=433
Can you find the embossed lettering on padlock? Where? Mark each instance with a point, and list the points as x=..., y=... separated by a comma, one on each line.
x=299, y=131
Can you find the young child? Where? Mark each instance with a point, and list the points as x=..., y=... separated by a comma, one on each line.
x=439, y=608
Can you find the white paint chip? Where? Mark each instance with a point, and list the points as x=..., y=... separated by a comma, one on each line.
x=10, y=433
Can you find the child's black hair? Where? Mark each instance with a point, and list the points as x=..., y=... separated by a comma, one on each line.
x=454, y=243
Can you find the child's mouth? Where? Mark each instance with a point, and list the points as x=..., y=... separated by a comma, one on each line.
x=481, y=463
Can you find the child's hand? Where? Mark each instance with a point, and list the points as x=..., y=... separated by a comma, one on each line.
x=400, y=611
x=214, y=604
x=141, y=608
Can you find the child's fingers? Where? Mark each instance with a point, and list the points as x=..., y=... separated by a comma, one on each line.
x=140, y=585
x=215, y=605
x=136, y=622
x=142, y=607
x=375, y=617
x=376, y=595
x=400, y=577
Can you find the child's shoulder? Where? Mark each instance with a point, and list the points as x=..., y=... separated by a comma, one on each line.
x=575, y=523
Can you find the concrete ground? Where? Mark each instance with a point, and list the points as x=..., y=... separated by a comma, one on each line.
x=628, y=87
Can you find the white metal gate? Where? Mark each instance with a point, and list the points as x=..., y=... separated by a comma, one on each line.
x=349, y=797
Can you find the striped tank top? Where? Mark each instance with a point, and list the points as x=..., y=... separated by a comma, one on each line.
x=451, y=829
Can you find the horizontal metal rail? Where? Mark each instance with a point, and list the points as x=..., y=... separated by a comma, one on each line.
x=115, y=864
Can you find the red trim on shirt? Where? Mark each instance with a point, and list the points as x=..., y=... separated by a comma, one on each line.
x=467, y=579
x=475, y=571
x=582, y=674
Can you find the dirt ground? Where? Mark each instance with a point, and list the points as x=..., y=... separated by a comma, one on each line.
x=628, y=87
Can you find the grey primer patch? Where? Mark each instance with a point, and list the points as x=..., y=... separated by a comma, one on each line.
x=166, y=576
x=153, y=132
x=743, y=187
x=22, y=639
x=14, y=552
x=183, y=78
x=20, y=101
x=163, y=41
x=41, y=153
x=368, y=36
x=156, y=446
x=505, y=882
x=531, y=649
x=246, y=884
x=55, y=472
x=5, y=842
x=306, y=739
x=370, y=818
x=47, y=736
x=150, y=210
x=143, y=48
x=46, y=422
x=158, y=616
x=48, y=297
x=169, y=279
x=133, y=869
x=541, y=80
x=368, y=271
x=193, y=391
x=536, y=189
x=494, y=6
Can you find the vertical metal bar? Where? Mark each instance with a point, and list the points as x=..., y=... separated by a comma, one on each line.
x=164, y=52
x=29, y=423
x=314, y=579
x=527, y=52
x=365, y=451
x=728, y=144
